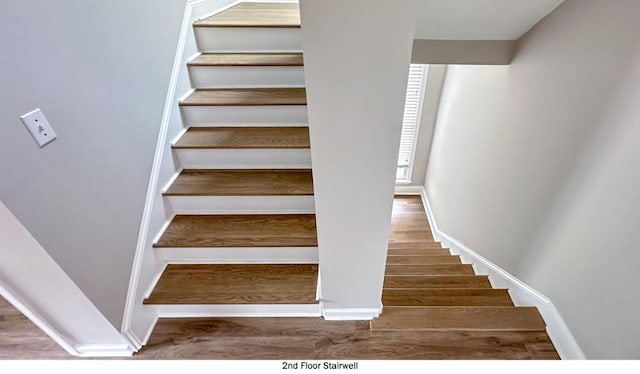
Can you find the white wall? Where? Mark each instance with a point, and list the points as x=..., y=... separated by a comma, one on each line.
x=100, y=71
x=356, y=99
x=36, y=285
x=535, y=166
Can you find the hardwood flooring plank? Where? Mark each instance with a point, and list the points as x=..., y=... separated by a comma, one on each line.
x=423, y=260
x=20, y=339
x=268, y=182
x=459, y=318
x=414, y=245
x=436, y=281
x=447, y=297
x=419, y=252
x=246, y=230
x=442, y=269
x=314, y=338
x=244, y=138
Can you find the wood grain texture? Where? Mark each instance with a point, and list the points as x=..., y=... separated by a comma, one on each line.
x=435, y=281
x=268, y=182
x=440, y=269
x=414, y=245
x=314, y=338
x=246, y=97
x=20, y=339
x=426, y=292
x=255, y=15
x=244, y=138
x=228, y=231
x=447, y=297
x=248, y=59
x=419, y=252
x=236, y=284
x=459, y=318
x=423, y=260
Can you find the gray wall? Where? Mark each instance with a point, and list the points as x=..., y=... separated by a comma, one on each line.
x=536, y=167
x=467, y=52
x=100, y=72
x=356, y=98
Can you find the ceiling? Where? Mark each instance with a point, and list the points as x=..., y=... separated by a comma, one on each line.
x=480, y=19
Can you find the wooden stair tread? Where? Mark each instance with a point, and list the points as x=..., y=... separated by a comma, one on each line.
x=242, y=183
x=236, y=284
x=246, y=96
x=255, y=15
x=441, y=269
x=459, y=318
x=244, y=138
x=447, y=297
x=238, y=231
x=423, y=260
x=419, y=252
x=414, y=245
x=247, y=59
x=435, y=281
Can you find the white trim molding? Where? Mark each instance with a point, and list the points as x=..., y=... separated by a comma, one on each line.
x=100, y=350
x=350, y=314
x=49, y=298
x=521, y=293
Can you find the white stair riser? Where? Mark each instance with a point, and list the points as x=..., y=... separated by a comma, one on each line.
x=246, y=76
x=248, y=310
x=245, y=39
x=244, y=158
x=285, y=255
x=267, y=115
x=242, y=204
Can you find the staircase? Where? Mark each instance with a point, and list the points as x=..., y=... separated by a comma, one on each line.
x=241, y=241
x=426, y=288
x=243, y=238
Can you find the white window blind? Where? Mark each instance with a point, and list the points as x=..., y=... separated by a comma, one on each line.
x=411, y=121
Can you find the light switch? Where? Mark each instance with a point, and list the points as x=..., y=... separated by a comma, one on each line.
x=39, y=127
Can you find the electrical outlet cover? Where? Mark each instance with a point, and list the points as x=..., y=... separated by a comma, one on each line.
x=39, y=127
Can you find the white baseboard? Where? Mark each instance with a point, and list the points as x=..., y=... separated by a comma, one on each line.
x=521, y=293
x=408, y=190
x=350, y=314
x=133, y=339
x=96, y=350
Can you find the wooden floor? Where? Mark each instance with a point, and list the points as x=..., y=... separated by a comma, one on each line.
x=314, y=338
x=21, y=339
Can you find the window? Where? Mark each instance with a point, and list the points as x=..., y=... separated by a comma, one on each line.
x=411, y=121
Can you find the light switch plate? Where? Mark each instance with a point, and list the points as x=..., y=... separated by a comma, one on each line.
x=39, y=127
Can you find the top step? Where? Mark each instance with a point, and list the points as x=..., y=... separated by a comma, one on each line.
x=285, y=15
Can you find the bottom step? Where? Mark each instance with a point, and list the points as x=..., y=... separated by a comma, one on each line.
x=236, y=284
x=459, y=318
